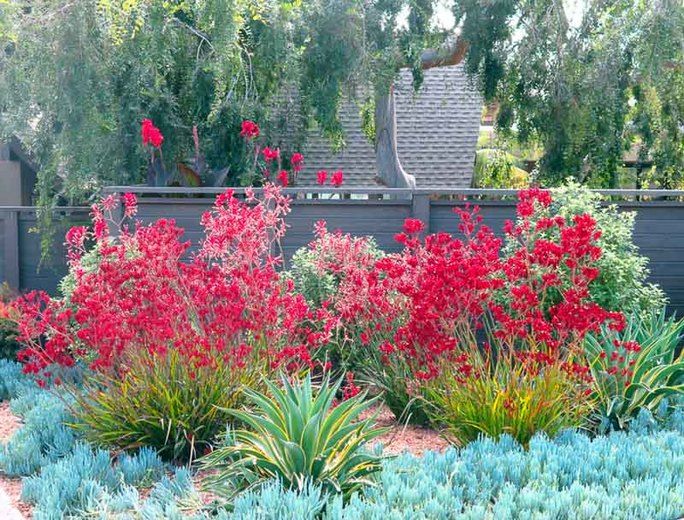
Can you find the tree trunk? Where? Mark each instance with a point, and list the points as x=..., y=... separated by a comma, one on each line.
x=390, y=170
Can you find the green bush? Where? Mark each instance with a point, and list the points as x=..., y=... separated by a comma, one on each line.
x=637, y=368
x=318, y=272
x=165, y=403
x=621, y=284
x=299, y=436
x=504, y=396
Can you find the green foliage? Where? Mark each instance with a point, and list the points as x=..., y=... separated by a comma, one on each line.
x=390, y=377
x=297, y=435
x=627, y=382
x=496, y=169
x=316, y=286
x=622, y=283
x=503, y=397
x=164, y=403
x=590, y=81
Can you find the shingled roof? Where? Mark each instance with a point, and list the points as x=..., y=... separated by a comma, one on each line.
x=437, y=131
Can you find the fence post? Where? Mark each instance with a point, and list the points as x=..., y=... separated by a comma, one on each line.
x=11, y=248
x=420, y=209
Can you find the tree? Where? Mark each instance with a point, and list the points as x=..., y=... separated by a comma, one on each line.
x=590, y=81
x=77, y=78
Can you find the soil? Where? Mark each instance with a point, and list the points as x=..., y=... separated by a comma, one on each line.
x=406, y=437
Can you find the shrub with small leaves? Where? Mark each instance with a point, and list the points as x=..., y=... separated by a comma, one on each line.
x=622, y=281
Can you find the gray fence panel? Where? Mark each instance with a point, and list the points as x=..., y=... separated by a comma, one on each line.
x=659, y=230
x=380, y=219
x=20, y=247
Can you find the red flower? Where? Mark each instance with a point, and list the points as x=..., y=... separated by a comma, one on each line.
x=76, y=236
x=350, y=389
x=413, y=225
x=321, y=177
x=528, y=198
x=130, y=203
x=151, y=134
x=250, y=130
x=270, y=154
x=284, y=178
x=297, y=162
x=337, y=178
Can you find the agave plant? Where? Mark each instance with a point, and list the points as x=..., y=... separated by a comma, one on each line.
x=637, y=368
x=299, y=436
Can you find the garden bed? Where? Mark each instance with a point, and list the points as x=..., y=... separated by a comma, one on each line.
x=220, y=386
x=401, y=438
x=621, y=475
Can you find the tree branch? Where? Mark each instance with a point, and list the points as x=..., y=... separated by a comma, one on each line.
x=451, y=52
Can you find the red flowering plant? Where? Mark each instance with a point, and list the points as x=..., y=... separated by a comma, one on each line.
x=447, y=315
x=548, y=267
x=267, y=164
x=150, y=313
x=531, y=373
x=192, y=172
x=335, y=273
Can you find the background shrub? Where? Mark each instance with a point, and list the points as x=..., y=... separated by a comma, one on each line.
x=621, y=284
x=324, y=272
x=318, y=268
x=9, y=346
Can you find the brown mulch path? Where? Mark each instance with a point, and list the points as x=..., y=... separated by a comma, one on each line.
x=405, y=437
x=9, y=424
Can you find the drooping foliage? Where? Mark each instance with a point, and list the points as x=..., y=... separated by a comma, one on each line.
x=590, y=81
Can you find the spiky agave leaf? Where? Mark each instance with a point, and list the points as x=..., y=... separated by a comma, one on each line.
x=296, y=434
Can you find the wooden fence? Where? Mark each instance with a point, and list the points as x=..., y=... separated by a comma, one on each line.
x=21, y=264
x=659, y=230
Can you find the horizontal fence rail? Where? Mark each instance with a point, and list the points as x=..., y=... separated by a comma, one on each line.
x=378, y=212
